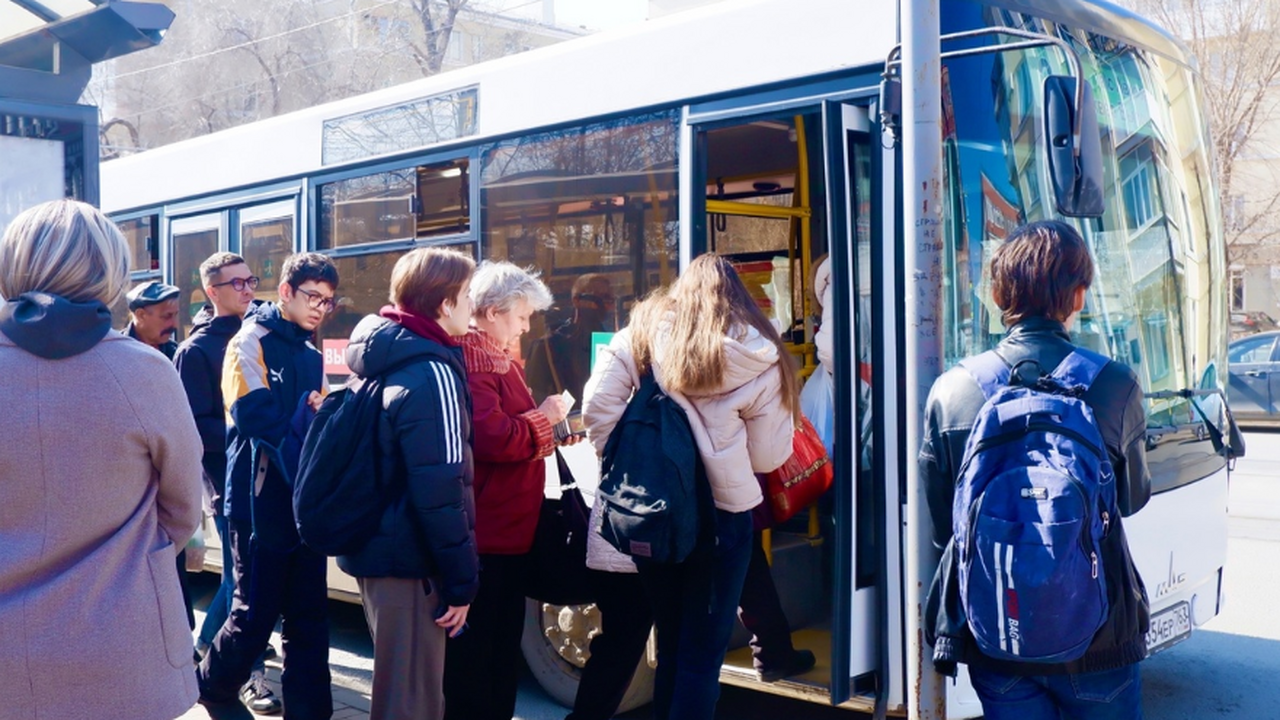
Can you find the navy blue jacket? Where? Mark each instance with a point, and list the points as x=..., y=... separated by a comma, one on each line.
x=199, y=362
x=269, y=370
x=428, y=529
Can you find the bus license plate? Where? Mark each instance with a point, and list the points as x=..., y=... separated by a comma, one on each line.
x=1168, y=627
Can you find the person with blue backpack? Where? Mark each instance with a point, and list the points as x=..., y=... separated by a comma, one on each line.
x=706, y=346
x=1032, y=454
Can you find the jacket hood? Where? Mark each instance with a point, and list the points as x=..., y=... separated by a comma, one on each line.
x=268, y=314
x=378, y=344
x=53, y=327
x=748, y=355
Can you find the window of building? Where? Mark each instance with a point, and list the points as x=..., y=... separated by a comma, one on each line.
x=1235, y=286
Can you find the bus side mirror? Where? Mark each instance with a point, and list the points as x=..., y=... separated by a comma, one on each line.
x=1075, y=148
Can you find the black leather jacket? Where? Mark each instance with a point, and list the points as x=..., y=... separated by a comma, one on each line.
x=1116, y=399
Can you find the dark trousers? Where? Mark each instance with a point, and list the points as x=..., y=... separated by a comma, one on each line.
x=186, y=588
x=760, y=611
x=482, y=666
x=694, y=604
x=625, y=619
x=270, y=584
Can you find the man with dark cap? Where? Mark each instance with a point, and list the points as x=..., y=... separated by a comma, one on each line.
x=153, y=311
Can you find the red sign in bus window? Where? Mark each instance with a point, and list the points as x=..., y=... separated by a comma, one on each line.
x=335, y=357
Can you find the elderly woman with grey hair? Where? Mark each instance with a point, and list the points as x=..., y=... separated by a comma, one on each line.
x=101, y=471
x=511, y=436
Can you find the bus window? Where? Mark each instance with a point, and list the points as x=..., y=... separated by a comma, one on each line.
x=416, y=202
x=266, y=239
x=595, y=209
x=194, y=240
x=364, y=287
x=142, y=235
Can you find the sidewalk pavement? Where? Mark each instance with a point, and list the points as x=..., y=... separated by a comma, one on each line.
x=347, y=704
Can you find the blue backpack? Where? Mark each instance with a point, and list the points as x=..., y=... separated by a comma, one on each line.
x=656, y=500
x=1035, y=497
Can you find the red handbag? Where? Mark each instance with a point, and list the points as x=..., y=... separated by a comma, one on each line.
x=802, y=479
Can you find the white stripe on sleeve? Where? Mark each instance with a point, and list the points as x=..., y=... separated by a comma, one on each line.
x=448, y=386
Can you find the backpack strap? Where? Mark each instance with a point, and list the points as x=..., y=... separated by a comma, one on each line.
x=989, y=369
x=1079, y=369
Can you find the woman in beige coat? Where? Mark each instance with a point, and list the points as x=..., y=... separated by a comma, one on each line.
x=711, y=349
x=100, y=470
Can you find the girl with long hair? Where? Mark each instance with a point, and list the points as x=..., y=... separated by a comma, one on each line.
x=712, y=350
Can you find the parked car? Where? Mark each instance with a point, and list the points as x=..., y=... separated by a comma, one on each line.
x=1253, y=382
x=1251, y=322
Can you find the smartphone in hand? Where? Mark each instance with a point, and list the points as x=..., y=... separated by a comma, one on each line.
x=573, y=425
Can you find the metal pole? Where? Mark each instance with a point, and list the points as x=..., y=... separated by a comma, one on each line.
x=922, y=207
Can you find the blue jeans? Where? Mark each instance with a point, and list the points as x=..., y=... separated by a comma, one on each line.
x=695, y=604
x=220, y=605
x=1107, y=695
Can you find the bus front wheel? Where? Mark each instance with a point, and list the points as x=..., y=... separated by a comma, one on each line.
x=556, y=644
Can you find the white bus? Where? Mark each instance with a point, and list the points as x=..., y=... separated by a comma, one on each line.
x=773, y=131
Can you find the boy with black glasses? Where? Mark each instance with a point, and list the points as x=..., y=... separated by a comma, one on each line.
x=272, y=383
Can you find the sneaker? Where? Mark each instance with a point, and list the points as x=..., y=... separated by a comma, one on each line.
x=802, y=661
x=258, y=696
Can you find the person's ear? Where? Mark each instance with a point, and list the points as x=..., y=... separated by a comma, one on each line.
x=286, y=292
x=446, y=309
x=1081, y=292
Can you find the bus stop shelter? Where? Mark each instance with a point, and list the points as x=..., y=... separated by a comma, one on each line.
x=49, y=142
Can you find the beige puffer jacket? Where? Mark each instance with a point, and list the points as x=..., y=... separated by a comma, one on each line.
x=741, y=428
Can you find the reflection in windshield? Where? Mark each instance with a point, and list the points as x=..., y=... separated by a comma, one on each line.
x=1157, y=300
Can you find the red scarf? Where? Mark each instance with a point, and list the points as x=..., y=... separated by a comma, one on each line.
x=428, y=328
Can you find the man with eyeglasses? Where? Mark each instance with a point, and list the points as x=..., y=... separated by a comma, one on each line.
x=229, y=285
x=272, y=383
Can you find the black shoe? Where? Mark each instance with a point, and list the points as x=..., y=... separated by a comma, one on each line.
x=258, y=696
x=801, y=662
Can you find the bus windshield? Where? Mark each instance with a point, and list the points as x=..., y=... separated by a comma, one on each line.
x=1157, y=299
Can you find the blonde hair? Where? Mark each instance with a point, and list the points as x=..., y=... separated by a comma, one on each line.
x=66, y=248
x=705, y=304
x=424, y=278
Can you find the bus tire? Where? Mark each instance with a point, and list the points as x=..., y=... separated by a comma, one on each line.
x=553, y=643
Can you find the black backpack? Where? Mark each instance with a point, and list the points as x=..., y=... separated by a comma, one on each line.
x=342, y=488
x=656, y=500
